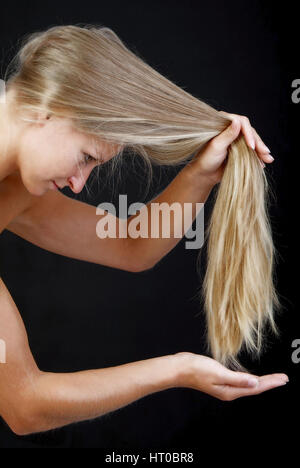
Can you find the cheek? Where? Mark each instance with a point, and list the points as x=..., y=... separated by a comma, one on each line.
x=63, y=167
x=35, y=154
x=56, y=162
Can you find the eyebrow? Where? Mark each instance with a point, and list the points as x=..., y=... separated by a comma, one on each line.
x=98, y=158
x=98, y=154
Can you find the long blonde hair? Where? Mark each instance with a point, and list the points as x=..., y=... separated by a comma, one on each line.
x=87, y=73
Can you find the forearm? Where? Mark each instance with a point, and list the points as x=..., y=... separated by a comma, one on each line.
x=59, y=399
x=187, y=187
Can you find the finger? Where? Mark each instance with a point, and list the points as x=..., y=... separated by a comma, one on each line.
x=259, y=143
x=265, y=383
x=238, y=379
x=273, y=376
x=225, y=138
x=245, y=127
x=248, y=132
x=251, y=136
x=261, y=148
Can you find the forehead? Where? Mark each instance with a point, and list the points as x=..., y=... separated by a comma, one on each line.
x=102, y=147
x=96, y=144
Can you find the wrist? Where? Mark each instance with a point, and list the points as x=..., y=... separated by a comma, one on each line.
x=183, y=369
x=197, y=178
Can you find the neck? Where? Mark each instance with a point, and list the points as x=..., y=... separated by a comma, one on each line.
x=8, y=137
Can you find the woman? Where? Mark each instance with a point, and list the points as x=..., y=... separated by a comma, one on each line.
x=76, y=99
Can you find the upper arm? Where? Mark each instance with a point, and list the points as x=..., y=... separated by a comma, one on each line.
x=67, y=227
x=19, y=368
x=14, y=199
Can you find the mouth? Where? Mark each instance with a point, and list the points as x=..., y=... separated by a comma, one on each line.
x=55, y=185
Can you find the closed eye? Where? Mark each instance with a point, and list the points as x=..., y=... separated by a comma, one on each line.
x=87, y=158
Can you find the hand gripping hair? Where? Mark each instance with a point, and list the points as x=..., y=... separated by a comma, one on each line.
x=87, y=73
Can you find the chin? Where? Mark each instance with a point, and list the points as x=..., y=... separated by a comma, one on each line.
x=37, y=193
x=37, y=190
x=32, y=186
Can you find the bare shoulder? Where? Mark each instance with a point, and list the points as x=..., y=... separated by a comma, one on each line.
x=14, y=199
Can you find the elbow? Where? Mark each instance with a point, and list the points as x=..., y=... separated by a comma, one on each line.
x=25, y=411
x=24, y=419
x=18, y=427
x=22, y=425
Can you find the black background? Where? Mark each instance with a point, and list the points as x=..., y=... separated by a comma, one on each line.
x=240, y=57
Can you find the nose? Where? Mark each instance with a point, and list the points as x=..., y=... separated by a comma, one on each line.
x=77, y=182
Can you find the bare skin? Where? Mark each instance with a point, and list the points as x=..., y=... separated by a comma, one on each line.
x=31, y=157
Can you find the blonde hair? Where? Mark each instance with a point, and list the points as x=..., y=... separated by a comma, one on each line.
x=87, y=73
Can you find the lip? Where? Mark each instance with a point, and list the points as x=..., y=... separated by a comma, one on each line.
x=55, y=185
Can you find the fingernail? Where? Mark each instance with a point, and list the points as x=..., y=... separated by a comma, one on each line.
x=282, y=383
x=252, y=144
x=270, y=158
x=269, y=151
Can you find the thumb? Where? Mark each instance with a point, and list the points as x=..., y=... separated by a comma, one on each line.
x=240, y=379
x=229, y=134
